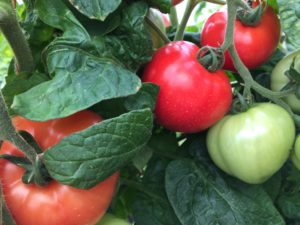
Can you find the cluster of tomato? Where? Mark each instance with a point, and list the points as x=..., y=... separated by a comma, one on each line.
x=251, y=145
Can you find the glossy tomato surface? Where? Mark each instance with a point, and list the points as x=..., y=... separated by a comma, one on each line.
x=279, y=79
x=254, y=144
x=176, y=2
x=254, y=44
x=54, y=204
x=190, y=98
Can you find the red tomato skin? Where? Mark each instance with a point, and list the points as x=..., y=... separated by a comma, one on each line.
x=175, y=2
x=254, y=45
x=190, y=98
x=55, y=204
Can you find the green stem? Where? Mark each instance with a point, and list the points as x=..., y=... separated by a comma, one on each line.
x=173, y=17
x=161, y=34
x=191, y=4
x=12, y=31
x=229, y=34
x=8, y=132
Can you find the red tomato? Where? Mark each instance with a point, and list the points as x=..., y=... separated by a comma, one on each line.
x=175, y=2
x=190, y=99
x=54, y=204
x=254, y=44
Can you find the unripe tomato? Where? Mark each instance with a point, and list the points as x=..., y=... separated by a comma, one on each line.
x=254, y=44
x=295, y=156
x=54, y=204
x=109, y=219
x=254, y=144
x=279, y=79
x=190, y=98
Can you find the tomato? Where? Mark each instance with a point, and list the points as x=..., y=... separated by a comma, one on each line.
x=279, y=79
x=190, y=98
x=157, y=18
x=295, y=156
x=166, y=20
x=254, y=44
x=254, y=144
x=109, y=219
x=55, y=203
x=176, y=2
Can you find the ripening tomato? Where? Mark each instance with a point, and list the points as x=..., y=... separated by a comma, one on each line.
x=254, y=44
x=54, y=204
x=252, y=145
x=190, y=98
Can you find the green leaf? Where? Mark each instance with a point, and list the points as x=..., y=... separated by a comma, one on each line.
x=81, y=80
x=145, y=98
x=56, y=14
x=289, y=21
x=17, y=84
x=141, y=159
x=88, y=157
x=199, y=195
x=96, y=9
x=151, y=206
x=130, y=43
x=163, y=5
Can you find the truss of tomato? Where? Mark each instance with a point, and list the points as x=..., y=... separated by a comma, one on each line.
x=254, y=44
x=190, y=98
x=54, y=204
x=254, y=144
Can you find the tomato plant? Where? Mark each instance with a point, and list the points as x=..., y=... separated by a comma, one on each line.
x=179, y=133
x=55, y=203
x=279, y=79
x=254, y=44
x=181, y=106
x=254, y=144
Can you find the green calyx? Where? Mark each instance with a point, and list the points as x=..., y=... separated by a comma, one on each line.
x=294, y=76
x=211, y=58
x=251, y=16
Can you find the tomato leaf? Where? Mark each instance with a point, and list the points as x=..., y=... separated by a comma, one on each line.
x=85, y=158
x=290, y=22
x=56, y=14
x=17, y=84
x=163, y=5
x=80, y=81
x=151, y=206
x=130, y=43
x=96, y=9
x=199, y=195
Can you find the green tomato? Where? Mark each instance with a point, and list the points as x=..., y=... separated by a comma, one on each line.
x=109, y=219
x=279, y=80
x=254, y=144
x=157, y=18
x=295, y=156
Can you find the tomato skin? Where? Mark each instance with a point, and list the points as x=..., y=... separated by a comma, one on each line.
x=254, y=144
x=279, y=79
x=176, y=2
x=190, y=98
x=254, y=45
x=55, y=203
